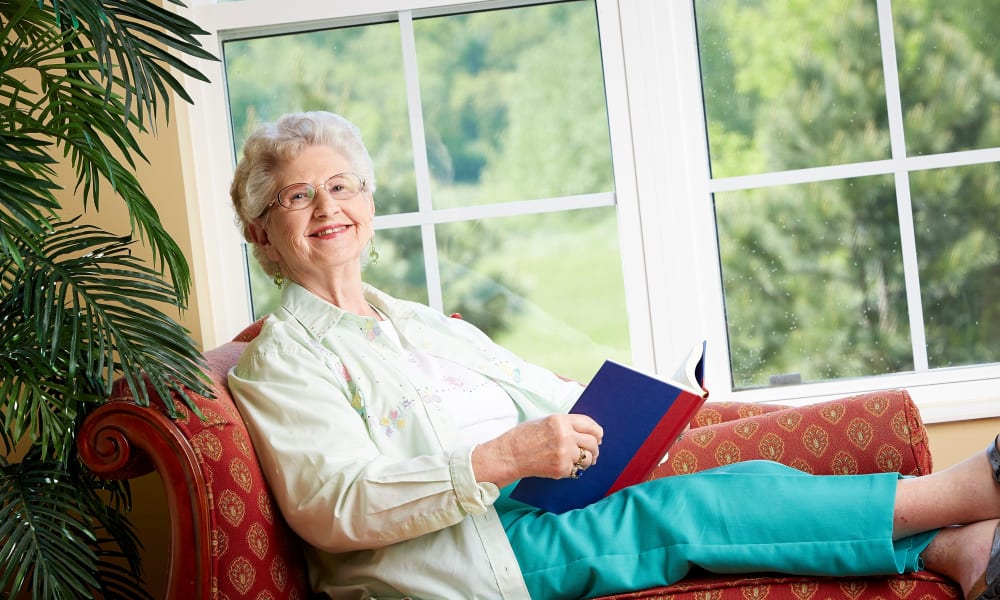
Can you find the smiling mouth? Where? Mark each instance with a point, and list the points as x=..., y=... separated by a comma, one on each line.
x=329, y=231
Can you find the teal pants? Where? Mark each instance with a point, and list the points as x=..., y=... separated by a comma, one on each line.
x=743, y=518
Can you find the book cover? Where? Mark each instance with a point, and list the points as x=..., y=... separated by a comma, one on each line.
x=642, y=416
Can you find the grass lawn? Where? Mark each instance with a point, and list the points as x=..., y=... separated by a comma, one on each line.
x=571, y=271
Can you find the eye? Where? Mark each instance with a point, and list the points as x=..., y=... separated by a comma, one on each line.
x=296, y=196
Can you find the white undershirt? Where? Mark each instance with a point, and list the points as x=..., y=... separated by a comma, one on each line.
x=482, y=410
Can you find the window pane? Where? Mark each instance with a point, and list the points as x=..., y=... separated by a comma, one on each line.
x=334, y=70
x=514, y=105
x=399, y=270
x=791, y=84
x=958, y=248
x=813, y=281
x=949, y=74
x=514, y=110
x=264, y=294
x=548, y=287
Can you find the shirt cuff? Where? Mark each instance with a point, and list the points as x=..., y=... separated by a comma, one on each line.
x=473, y=497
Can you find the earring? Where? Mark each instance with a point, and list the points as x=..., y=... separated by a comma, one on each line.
x=372, y=253
x=278, y=279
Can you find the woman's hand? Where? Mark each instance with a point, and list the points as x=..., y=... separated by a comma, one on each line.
x=553, y=446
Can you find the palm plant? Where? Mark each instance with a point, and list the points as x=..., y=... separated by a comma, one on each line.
x=80, y=79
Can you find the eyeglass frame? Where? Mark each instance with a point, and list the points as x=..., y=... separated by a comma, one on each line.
x=316, y=189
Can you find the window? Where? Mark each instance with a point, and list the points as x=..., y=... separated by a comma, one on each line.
x=885, y=258
x=852, y=152
x=495, y=189
x=808, y=185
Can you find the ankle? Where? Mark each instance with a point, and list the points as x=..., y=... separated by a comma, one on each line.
x=961, y=553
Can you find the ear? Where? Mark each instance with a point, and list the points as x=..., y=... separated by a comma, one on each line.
x=257, y=233
x=371, y=205
x=259, y=237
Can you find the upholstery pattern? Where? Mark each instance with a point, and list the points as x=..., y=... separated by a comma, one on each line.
x=229, y=541
x=915, y=586
x=878, y=432
x=254, y=554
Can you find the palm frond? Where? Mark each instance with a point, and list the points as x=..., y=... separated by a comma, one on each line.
x=80, y=80
x=119, y=570
x=26, y=189
x=39, y=526
x=80, y=313
x=104, y=69
x=120, y=30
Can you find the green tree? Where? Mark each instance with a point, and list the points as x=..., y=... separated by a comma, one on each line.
x=813, y=274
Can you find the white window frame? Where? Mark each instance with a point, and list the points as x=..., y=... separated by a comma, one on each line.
x=663, y=189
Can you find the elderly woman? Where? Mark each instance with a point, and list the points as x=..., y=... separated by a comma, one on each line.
x=390, y=433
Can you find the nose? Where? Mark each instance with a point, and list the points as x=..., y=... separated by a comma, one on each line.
x=324, y=202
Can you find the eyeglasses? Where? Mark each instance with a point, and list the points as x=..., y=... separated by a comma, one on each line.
x=298, y=196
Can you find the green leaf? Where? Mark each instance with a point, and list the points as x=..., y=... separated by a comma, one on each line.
x=38, y=524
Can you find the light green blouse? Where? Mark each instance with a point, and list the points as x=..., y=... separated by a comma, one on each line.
x=366, y=468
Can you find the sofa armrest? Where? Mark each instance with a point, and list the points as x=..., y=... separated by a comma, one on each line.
x=227, y=538
x=867, y=433
x=121, y=440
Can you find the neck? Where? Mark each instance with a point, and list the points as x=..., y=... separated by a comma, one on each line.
x=346, y=293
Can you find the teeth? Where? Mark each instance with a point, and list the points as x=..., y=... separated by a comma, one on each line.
x=323, y=232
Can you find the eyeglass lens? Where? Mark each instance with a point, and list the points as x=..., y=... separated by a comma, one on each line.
x=343, y=186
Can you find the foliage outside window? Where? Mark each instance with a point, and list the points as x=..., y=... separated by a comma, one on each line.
x=504, y=210
x=816, y=275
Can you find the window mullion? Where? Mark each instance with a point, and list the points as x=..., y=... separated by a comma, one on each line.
x=420, y=164
x=904, y=207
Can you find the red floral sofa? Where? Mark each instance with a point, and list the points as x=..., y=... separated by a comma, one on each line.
x=228, y=540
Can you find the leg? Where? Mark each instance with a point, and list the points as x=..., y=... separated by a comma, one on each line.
x=654, y=533
x=962, y=553
x=962, y=494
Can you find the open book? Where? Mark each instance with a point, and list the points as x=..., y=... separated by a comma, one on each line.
x=642, y=416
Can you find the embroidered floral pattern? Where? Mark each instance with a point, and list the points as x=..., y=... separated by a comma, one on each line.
x=371, y=329
x=396, y=419
x=338, y=367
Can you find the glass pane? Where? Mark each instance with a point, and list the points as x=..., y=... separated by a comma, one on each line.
x=399, y=270
x=264, y=294
x=813, y=282
x=334, y=70
x=547, y=287
x=331, y=70
x=949, y=74
x=791, y=84
x=514, y=104
x=958, y=249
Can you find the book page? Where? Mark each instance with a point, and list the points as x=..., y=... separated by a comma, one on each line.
x=688, y=372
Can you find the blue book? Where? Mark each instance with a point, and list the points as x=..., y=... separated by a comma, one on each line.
x=642, y=416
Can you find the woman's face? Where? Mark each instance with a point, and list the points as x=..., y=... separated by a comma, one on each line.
x=312, y=244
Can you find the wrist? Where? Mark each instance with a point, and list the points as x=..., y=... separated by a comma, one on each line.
x=491, y=463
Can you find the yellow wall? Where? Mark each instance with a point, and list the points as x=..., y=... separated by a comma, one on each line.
x=951, y=442
x=162, y=180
